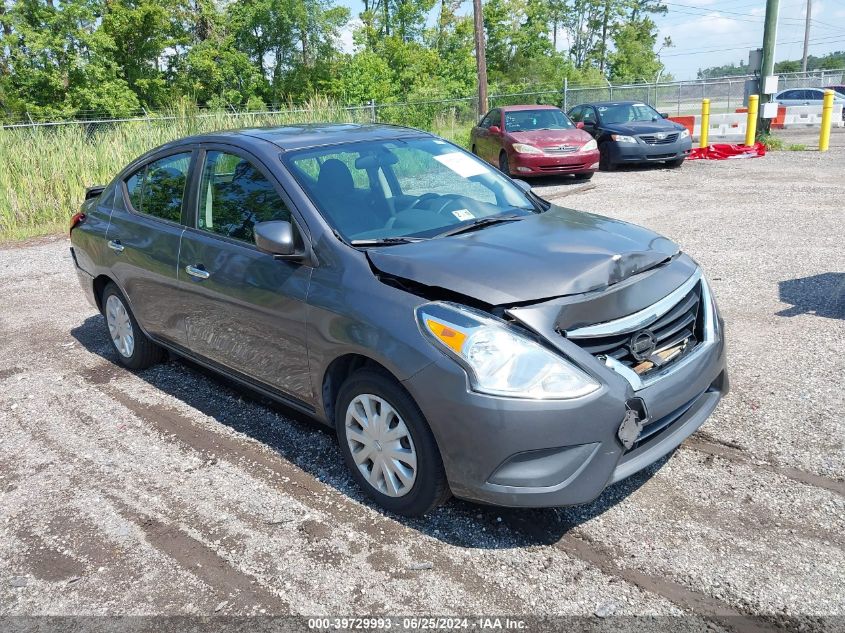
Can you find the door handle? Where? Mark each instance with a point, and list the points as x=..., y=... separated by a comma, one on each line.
x=199, y=273
x=116, y=246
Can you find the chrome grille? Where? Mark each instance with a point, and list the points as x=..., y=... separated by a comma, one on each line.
x=654, y=139
x=656, y=344
x=561, y=149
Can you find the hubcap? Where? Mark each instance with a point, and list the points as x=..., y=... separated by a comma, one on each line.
x=381, y=445
x=120, y=327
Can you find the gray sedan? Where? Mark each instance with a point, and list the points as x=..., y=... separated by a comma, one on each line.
x=460, y=334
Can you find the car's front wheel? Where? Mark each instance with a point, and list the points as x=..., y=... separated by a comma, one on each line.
x=587, y=175
x=675, y=163
x=504, y=166
x=387, y=444
x=605, y=163
x=133, y=348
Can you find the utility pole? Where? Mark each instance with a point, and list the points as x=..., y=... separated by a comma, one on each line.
x=770, y=33
x=604, y=36
x=480, y=56
x=807, y=35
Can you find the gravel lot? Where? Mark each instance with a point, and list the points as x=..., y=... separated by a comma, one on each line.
x=171, y=492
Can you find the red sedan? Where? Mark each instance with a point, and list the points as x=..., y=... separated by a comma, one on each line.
x=534, y=140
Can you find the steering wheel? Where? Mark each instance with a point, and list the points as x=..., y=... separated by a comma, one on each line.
x=424, y=198
x=448, y=200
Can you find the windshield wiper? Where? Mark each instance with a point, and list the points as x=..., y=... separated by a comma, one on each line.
x=385, y=241
x=479, y=223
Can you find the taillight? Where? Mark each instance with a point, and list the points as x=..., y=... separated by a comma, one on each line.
x=76, y=220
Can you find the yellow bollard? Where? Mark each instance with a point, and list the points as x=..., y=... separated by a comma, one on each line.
x=705, y=122
x=751, y=121
x=827, y=113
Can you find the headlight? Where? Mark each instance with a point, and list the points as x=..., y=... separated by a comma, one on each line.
x=621, y=138
x=499, y=359
x=684, y=133
x=589, y=146
x=522, y=148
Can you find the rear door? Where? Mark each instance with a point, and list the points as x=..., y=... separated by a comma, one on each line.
x=143, y=240
x=245, y=310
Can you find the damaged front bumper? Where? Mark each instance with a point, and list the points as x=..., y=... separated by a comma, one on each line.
x=536, y=453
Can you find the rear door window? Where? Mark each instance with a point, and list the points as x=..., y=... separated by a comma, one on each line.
x=158, y=188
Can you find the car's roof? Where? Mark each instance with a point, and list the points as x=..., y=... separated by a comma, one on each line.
x=516, y=108
x=290, y=137
x=608, y=103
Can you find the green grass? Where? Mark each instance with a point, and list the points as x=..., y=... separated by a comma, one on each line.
x=772, y=143
x=797, y=147
x=44, y=170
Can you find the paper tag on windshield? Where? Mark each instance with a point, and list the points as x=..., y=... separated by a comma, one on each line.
x=462, y=214
x=461, y=164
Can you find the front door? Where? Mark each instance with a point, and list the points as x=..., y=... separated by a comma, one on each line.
x=246, y=310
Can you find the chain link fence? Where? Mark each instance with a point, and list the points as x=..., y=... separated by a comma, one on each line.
x=675, y=98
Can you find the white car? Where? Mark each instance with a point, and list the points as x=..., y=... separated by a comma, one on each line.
x=805, y=96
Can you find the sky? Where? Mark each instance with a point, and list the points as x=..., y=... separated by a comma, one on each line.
x=714, y=32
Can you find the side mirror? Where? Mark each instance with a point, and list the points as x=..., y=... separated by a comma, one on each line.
x=495, y=129
x=580, y=125
x=665, y=115
x=276, y=238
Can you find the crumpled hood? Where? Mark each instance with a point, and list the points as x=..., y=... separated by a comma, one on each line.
x=634, y=128
x=556, y=253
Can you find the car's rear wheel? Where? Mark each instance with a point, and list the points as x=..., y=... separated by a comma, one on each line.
x=134, y=349
x=675, y=163
x=387, y=444
x=504, y=166
x=605, y=164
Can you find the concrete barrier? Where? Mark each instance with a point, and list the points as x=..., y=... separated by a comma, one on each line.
x=811, y=116
x=723, y=127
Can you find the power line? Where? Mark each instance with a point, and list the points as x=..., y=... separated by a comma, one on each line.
x=819, y=40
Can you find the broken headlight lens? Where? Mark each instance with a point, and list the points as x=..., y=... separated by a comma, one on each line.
x=499, y=359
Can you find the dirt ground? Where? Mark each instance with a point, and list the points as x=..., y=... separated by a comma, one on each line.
x=171, y=492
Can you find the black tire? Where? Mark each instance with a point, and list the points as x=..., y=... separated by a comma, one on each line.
x=145, y=353
x=504, y=166
x=430, y=488
x=605, y=164
x=674, y=164
x=585, y=176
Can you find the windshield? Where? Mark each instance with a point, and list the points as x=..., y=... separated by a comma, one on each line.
x=409, y=188
x=627, y=112
x=528, y=120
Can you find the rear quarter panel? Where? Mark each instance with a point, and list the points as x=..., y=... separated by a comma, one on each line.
x=89, y=238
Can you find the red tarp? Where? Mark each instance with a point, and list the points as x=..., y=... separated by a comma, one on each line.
x=722, y=151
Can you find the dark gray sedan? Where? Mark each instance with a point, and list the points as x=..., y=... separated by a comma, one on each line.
x=461, y=334
x=629, y=132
